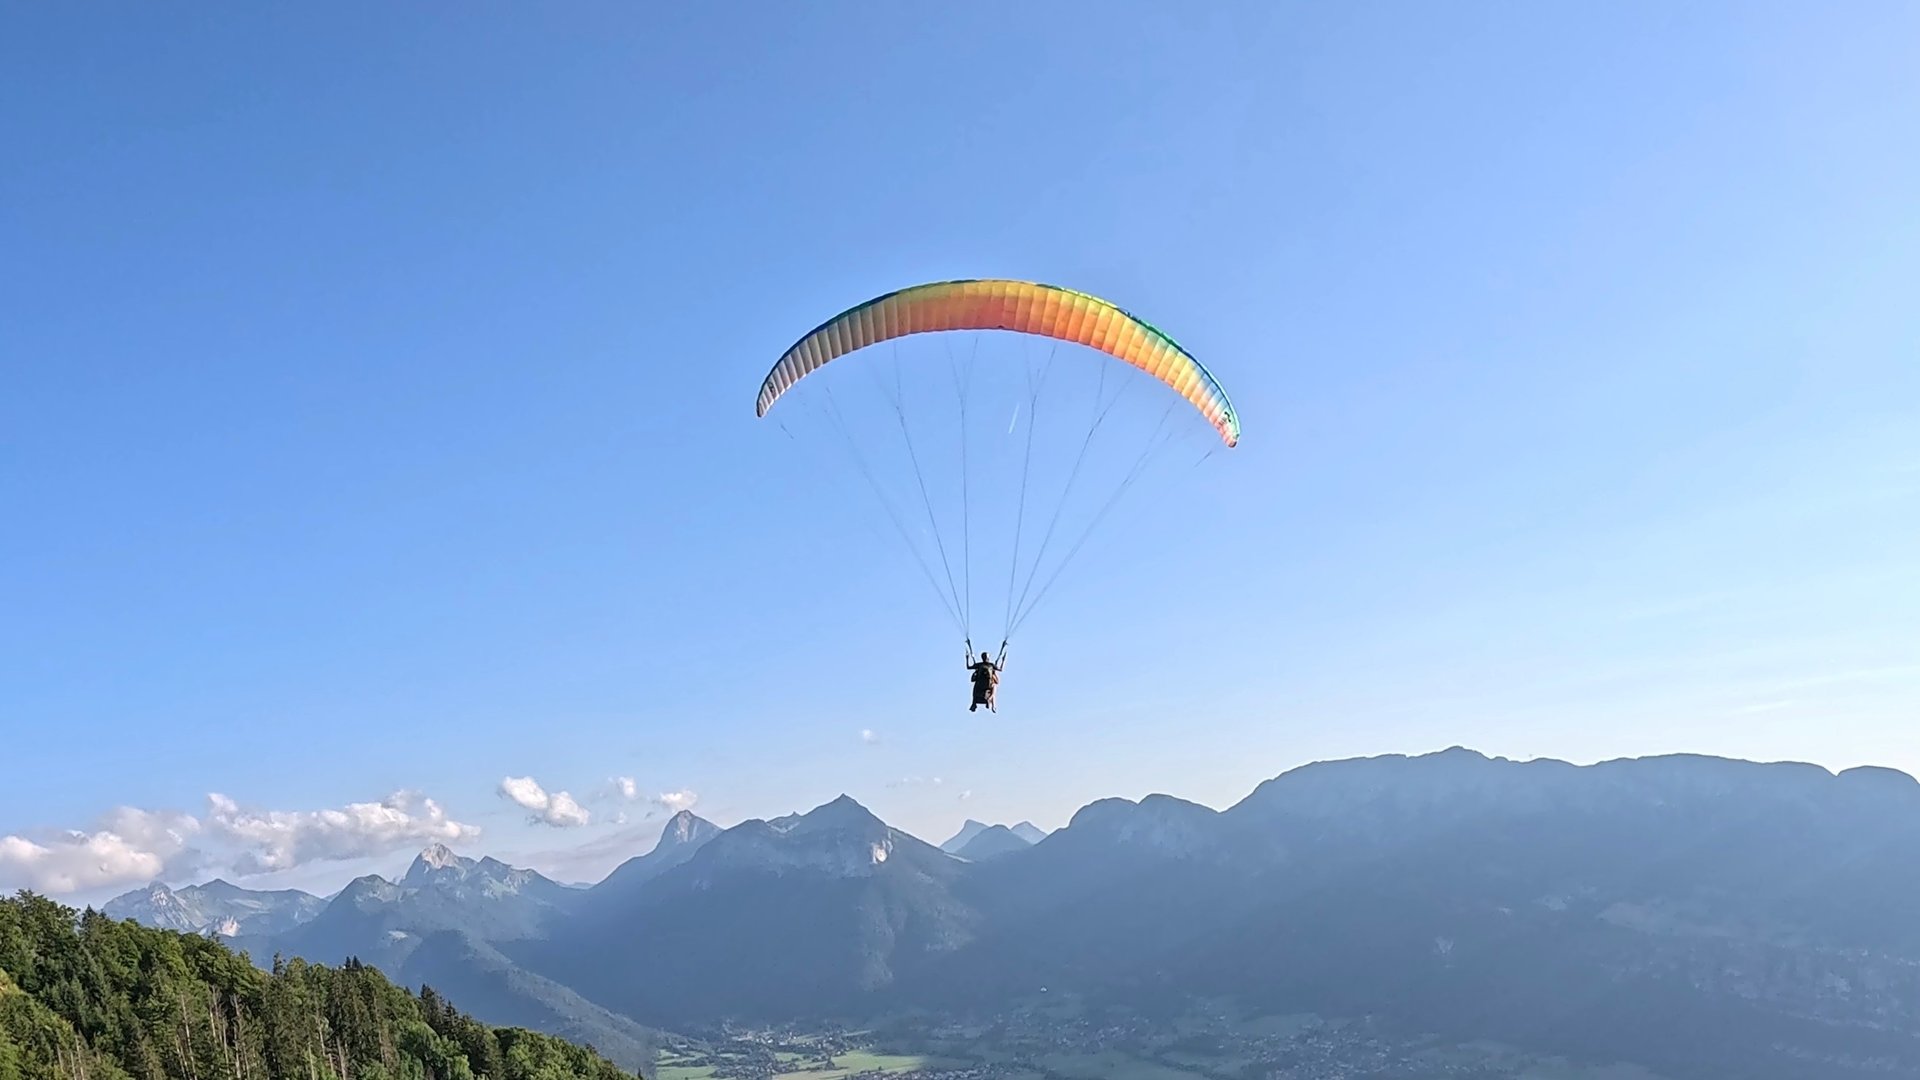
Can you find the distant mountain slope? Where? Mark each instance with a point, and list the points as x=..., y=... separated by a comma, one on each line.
x=1708, y=910
x=439, y=872
x=1699, y=917
x=1026, y=831
x=381, y=921
x=804, y=913
x=440, y=925
x=493, y=988
x=216, y=907
x=1029, y=832
x=1125, y=887
x=968, y=830
x=991, y=843
x=684, y=835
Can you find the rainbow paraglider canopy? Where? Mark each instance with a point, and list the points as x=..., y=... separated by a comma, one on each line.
x=1020, y=306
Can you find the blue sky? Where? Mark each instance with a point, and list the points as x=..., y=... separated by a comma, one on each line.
x=375, y=412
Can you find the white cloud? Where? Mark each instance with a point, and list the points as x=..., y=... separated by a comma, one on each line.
x=626, y=787
x=557, y=809
x=677, y=801
x=869, y=736
x=166, y=832
x=271, y=840
x=523, y=790
x=563, y=811
x=967, y=794
x=126, y=846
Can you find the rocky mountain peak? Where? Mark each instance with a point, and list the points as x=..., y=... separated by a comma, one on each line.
x=685, y=827
x=840, y=838
x=369, y=888
x=841, y=813
x=968, y=830
x=437, y=859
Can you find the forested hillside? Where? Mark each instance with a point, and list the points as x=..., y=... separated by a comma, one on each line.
x=87, y=997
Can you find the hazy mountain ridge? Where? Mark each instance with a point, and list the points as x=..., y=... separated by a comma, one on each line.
x=1462, y=893
x=1029, y=832
x=991, y=843
x=381, y=921
x=833, y=900
x=968, y=830
x=1699, y=916
x=493, y=987
x=1472, y=893
x=685, y=834
x=442, y=924
x=216, y=907
x=971, y=829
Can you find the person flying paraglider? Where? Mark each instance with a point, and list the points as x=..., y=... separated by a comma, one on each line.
x=986, y=678
x=988, y=307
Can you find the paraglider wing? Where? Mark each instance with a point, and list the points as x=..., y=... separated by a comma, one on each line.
x=1019, y=306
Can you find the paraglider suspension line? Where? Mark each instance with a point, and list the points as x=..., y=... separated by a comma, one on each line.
x=926, y=499
x=1100, y=410
x=1026, y=472
x=1158, y=439
x=893, y=514
x=961, y=384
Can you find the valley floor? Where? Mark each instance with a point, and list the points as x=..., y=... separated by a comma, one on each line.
x=1063, y=1040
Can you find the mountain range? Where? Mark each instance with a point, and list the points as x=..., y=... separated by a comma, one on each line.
x=443, y=924
x=991, y=843
x=684, y=835
x=216, y=908
x=1026, y=831
x=1698, y=917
